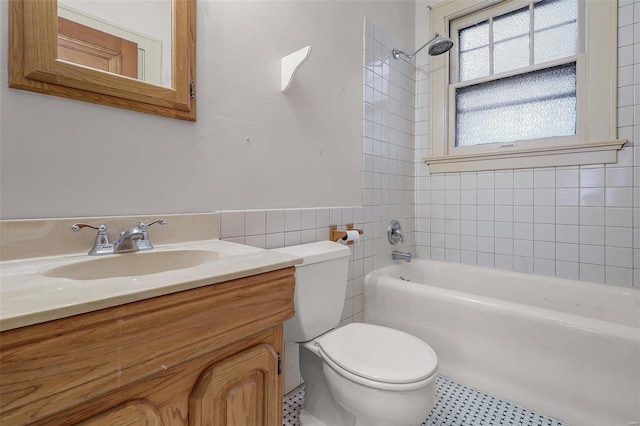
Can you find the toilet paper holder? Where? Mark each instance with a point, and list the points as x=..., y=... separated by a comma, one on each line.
x=335, y=234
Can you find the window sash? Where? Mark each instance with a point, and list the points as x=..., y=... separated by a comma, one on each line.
x=529, y=144
x=519, y=71
x=492, y=112
x=488, y=14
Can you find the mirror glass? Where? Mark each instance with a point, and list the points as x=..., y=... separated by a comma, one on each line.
x=130, y=38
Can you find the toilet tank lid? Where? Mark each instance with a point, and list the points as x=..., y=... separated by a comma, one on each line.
x=379, y=353
x=320, y=251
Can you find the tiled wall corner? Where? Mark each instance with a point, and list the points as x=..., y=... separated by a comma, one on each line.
x=422, y=208
x=629, y=97
x=573, y=222
x=388, y=140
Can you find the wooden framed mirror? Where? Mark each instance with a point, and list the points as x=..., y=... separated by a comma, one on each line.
x=36, y=62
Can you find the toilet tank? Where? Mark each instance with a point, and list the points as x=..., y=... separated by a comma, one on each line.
x=321, y=285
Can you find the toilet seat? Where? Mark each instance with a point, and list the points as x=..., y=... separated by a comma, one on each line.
x=378, y=357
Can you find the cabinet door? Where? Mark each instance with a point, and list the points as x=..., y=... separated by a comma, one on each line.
x=132, y=413
x=238, y=391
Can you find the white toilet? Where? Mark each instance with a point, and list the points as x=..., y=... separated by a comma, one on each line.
x=359, y=374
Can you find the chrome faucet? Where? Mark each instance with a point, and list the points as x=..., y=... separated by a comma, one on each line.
x=401, y=255
x=128, y=240
x=133, y=239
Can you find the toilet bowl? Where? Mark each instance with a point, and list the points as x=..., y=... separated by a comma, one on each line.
x=379, y=375
x=359, y=374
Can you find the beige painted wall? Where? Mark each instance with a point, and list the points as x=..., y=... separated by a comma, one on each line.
x=67, y=158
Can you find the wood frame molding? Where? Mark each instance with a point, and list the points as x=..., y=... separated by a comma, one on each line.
x=33, y=64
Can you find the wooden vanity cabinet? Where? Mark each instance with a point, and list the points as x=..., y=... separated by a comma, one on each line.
x=207, y=356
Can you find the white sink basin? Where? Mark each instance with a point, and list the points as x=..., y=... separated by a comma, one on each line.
x=132, y=264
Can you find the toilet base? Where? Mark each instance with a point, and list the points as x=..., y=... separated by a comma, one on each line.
x=308, y=419
x=325, y=403
x=378, y=407
x=320, y=409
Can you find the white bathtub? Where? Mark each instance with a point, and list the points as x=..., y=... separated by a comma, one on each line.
x=567, y=349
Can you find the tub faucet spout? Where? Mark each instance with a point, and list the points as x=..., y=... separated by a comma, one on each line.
x=401, y=255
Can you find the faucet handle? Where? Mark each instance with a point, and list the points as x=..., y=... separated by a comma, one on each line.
x=394, y=232
x=144, y=243
x=101, y=244
x=76, y=227
x=144, y=226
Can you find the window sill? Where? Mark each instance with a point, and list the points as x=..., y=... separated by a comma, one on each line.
x=583, y=154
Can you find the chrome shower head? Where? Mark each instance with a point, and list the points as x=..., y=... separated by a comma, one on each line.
x=440, y=46
x=437, y=46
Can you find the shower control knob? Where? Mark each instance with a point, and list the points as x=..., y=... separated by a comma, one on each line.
x=394, y=232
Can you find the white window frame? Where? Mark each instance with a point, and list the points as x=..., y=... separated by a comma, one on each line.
x=595, y=141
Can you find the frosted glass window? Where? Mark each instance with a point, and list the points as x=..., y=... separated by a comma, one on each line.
x=555, y=25
x=473, y=51
x=511, y=40
x=538, y=104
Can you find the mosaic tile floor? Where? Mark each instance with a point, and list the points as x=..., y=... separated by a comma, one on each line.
x=456, y=405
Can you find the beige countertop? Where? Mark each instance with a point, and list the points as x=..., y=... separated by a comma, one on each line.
x=28, y=297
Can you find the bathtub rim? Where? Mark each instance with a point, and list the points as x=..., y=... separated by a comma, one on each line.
x=619, y=291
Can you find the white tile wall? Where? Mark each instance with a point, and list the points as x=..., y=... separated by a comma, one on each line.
x=388, y=141
x=572, y=222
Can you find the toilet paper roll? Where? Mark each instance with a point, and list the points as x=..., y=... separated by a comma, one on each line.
x=353, y=236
